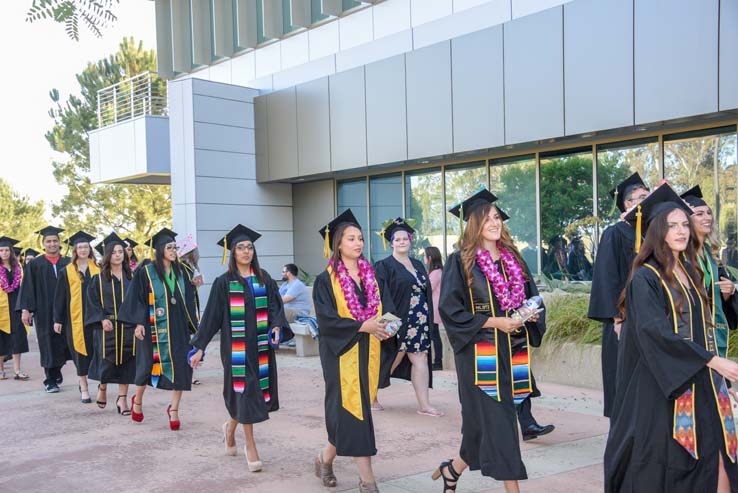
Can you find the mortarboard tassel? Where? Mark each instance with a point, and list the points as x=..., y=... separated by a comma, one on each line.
x=225, y=249
x=151, y=249
x=614, y=203
x=327, y=243
x=384, y=240
x=639, y=220
x=461, y=221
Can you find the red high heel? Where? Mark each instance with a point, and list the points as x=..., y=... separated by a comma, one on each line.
x=137, y=417
x=173, y=424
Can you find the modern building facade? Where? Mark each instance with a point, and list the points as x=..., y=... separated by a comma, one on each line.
x=281, y=113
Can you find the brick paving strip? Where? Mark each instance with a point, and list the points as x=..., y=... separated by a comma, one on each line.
x=55, y=443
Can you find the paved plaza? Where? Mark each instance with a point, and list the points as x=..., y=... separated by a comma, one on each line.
x=55, y=443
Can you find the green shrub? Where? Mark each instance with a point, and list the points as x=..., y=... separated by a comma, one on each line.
x=566, y=320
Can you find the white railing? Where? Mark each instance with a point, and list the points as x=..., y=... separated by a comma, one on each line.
x=143, y=94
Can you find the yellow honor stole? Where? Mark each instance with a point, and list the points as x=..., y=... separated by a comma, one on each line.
x=76, y=302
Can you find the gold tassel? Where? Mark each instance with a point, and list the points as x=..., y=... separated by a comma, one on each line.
x=225, y=250
x=461, y=221
x=384, y=240
x=639, y=220
x=151, y=250
x=327, y=243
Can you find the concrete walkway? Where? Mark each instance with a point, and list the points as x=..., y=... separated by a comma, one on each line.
x=55, y=443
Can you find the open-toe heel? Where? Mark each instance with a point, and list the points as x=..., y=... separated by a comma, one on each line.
x=438, y=473
x=232, y=451
x=122, y=412
x=324, y=472
x=137, y=417
x=102, y=404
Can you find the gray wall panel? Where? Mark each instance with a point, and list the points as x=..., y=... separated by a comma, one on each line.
x=728, y=54
x=348, y=119
x=223, y=217
x=224, y=138
x=224, y=111
x=226, y=190
x=598, y=65
x=386, y=113
x=676, y=51
x=478, y=95
x=224, y=91
x=282, y=125
x=428, y=79
x=312, y=207
x=534, y=79
x=261, y=138
x=313, y=128
x=219, y=163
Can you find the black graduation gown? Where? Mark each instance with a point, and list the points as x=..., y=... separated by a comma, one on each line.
x=489, y=428
x=182, y=322
x=17, y=341
x=37, y=296
x=113, y=359
x=611, y=270
x=395, y=283
x=655, y=366
x=351, y=436
x=63, y=315
x=247, y=407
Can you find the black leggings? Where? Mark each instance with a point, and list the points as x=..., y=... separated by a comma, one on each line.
x=437, y=345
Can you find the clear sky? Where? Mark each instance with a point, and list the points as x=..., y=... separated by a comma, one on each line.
x=36, y=58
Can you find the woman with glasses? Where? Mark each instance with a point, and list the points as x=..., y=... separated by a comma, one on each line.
x=161, y=304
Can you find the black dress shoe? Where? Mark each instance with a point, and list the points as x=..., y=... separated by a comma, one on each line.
x=51, y=388
x=536, y=430
x=59, y=380
x=438, y=366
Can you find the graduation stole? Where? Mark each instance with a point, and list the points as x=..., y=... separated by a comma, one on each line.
x=5, y=308
x=685, y=430
x=159, y=325
x=709, y=267
x=119, y=342
x=237, y=304
x=485, y=358
x=76, y=304
x=349, y=361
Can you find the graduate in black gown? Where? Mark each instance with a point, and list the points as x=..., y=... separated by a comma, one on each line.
x=36, y=301
x=13, y=335
x=161, y=304
x=483, y=284
x=245, y=307
x=348, y=306
x=69, y=306
x=615, y=255
x=131, y=253
x=113, y=342
x=672, y=427
x=404, y=280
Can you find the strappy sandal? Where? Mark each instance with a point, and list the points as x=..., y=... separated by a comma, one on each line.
x=21, y=375
x=368, y=487
x=122, y=412
x=101, y=404
x=438, y=473
x=324, y=472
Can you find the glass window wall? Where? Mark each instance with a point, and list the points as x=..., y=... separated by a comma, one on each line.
x=461, y=181
x=424, y=203
x=352, y=195
x=385, y=199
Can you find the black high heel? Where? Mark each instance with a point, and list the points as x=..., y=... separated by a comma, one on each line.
x=102, y=404
x=84, y=401
x=126, y=412
x=438, y=473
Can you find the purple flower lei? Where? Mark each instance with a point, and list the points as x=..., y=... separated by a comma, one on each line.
x=510, y=294
x=10, y=287
x=366, y=274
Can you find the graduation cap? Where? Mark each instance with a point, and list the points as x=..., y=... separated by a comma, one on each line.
x=327, y=231
x=111, y=239
x=131, y=243
x=464, y=209
x=693, y=196
x=49, y=231
x=7, y=241
x=186, y=245
x=163, y=237
x=17, y=251
x=235, y=236
x=662, y=200
x=31, y=252
x=624, y=188
x=79, y=237
x=391, y=226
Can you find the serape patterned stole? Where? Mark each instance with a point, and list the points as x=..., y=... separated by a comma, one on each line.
x=159, y=327
x=685, y=429
x=237, y=302
x=485, y=366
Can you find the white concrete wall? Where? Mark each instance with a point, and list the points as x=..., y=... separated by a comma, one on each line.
x=214, y=176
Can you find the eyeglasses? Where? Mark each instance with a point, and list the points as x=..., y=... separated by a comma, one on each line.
x=245, y=248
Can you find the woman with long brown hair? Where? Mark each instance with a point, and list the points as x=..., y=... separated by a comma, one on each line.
x=483, y=284
x=348, y=307
x=113, y=357
x=161, y=304
x=434, y=266
x=69, y=309
x=13, y=336
x=245, y=306
x=672, y=424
